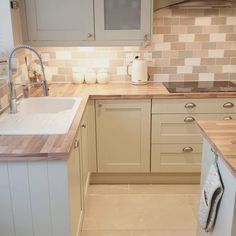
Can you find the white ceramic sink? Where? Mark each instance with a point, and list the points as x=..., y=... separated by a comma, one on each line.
x=40, y=116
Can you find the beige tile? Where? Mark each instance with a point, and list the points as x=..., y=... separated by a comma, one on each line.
x=103, y=189
x=211, y=12
x=162, y=46
x=226, y=29
x=140, y=212
x=221, y=76
x=171, y=20
x=194, y=203
x=192, y=77
x=178, y=46
x=227, y=12
x=195, y=12
x=231, y=20
x=193, y=46
x=217, y=37
x=179, y=29
x=184, y=69
x=220, y=20
x=192, y=61
x=169, y=70
x=179, y=12
x=216, y=53
x=203, y=21
x=202, y=37
x=177, y=62
x=186, y=37
x=208, y=45
x=171, y=38
x=208, y=61
x=163, y=30
x=195, y=29
x=230, y=53
x=230, y=37
x=164, y=189
x=187, y=21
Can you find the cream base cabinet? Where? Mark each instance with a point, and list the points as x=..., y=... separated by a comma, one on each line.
x=54, y=20
x=123, y=135
x=41, y=198
x=225, y=224
x=176, y=138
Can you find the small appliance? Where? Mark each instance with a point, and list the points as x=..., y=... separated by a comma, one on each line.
x=139, y=73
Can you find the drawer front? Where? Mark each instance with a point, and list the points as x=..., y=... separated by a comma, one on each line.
x=176, y=157
x=181, y=128
x=223, y=105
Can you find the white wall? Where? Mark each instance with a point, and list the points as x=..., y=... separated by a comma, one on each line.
x=6, y=34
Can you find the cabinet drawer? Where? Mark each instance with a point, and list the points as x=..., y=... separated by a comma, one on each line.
x=181, y=128
x=223, y=105
x=176, y=157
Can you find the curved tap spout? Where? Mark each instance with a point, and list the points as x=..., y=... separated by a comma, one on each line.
x=12, y=92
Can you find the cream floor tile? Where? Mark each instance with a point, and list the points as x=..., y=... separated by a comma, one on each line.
x=164, y=189
x=194, y=203
x=138, y=233
x=109, y=189
x=137, y=211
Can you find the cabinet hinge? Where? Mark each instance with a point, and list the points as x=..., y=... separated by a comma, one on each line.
x=15, y=4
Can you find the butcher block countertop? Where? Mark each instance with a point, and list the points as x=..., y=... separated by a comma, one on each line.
x=222, y=136
x=57, y=147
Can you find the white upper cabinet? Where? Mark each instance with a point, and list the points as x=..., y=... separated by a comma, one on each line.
x=59, y=20
x=123, y=19
x=86, y=22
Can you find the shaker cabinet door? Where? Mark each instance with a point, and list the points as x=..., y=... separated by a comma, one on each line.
x=123, y=19
x=59, y=20
x=123, y=135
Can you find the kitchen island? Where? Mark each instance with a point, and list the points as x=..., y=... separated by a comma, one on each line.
x=219, y=146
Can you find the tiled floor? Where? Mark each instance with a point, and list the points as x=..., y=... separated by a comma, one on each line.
x=141, y=210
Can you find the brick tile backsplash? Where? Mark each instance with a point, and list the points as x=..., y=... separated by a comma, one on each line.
x=187, y=44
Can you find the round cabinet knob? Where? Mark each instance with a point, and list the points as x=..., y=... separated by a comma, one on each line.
x=99, y=105
x=190, y=105
x=228, y=105
x=228, y=118
x=90, y=35
x=188, y=149
x=189, y=119
x=83, y=126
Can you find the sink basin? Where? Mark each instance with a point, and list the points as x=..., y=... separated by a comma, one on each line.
x=46, y=105
x=40, y=116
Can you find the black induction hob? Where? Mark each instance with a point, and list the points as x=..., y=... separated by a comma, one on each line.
x=200, y=86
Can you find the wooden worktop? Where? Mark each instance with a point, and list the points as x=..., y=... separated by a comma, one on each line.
x=52, y=147
x=222, y=136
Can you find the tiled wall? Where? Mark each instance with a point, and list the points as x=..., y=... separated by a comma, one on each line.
x=193, y=44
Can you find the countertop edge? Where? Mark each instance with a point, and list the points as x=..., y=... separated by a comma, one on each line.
x=216, y=148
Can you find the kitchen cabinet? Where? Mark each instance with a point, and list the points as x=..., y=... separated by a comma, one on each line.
x=54, y=20
x=84, y=151
x=75, y=187
x=176, y=139
x=122, y=20
x=89, y=23
x=42, y=197
x=123, y=135
x=226, y=217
